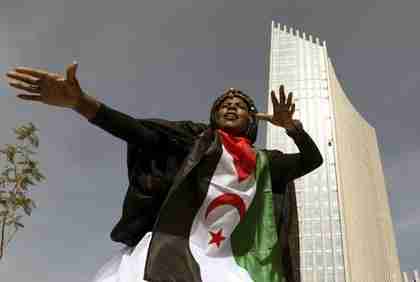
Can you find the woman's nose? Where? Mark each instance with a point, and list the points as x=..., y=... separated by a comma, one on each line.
x=232, y=107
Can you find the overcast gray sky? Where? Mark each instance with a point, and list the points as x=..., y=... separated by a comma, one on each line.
x=170, y=59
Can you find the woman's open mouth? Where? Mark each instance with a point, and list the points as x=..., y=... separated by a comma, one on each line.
x=230, y=116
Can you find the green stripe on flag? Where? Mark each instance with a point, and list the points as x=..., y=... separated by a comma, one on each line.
x=255, y=243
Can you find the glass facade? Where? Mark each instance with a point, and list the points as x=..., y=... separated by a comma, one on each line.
x=300, y=63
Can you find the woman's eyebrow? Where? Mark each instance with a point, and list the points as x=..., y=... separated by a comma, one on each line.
x=237, y=102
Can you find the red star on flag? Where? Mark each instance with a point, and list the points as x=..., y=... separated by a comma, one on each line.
x=216, y=238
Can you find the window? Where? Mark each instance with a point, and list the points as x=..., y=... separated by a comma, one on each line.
x=326, y=226
x=307, y=243
x=306, y=227
x=316, y=224
x=324, y=196
x=307, y=211
x=340, y=275
x=318, y=242
x=337, y=241
x=330, y=276
x=309, y=197
x=309, y=260
x=339, y=258
x=316, y=213
x=334, y=200
x=319, y=262
x=329, y=259
x=336, y=225
x=327, y=242
x=325, y=209
x=335, y=213
x=320, y=276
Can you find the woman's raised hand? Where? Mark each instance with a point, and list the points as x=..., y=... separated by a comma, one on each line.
x=283, y=110
x=46, y=87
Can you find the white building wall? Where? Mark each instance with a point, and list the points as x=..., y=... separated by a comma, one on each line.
x=300, y=63
x=345, y=226
x=371, y=249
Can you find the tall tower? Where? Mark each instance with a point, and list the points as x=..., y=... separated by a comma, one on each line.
x=345, y=225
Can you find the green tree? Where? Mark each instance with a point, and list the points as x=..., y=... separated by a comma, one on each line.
x=19, y=172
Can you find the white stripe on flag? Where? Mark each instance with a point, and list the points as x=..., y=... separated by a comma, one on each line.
x=213, y=252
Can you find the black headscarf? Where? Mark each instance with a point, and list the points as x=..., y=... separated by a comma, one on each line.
x=252, y=129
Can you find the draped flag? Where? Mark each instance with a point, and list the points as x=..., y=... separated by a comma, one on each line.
x=233, y=235
x=235, y=210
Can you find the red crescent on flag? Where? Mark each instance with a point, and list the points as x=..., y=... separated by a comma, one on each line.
x=227, y=199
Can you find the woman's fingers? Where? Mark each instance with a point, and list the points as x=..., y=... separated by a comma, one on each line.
x=263, y=116
x=282, y=96
x=22, y=77
x=274, y=101
x=33, y=72
x=37, y=98
x=26, y=87
x=289, y=100
x=292, y=109
x=283, y=102
x=71, y=73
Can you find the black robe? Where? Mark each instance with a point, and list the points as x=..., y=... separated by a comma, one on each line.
x=169, y=168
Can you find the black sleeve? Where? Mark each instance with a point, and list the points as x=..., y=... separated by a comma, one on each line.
x=287, y=167
x=123, y=126
x=148, y=133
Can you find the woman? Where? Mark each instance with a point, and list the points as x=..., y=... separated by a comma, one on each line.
x=203, y=204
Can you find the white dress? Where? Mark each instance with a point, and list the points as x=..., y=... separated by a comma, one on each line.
x=128, y=266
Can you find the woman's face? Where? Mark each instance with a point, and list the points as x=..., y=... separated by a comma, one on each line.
x=233, y=116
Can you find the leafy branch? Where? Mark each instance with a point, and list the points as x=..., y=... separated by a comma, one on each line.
x=19, y=172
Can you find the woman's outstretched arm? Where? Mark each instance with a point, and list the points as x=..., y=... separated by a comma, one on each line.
x=65, y=91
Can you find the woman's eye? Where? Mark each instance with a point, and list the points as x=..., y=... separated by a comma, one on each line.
x=236, y=105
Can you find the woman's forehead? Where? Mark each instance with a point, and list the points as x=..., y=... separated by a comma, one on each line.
x=235, y=98
x=246, y=100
